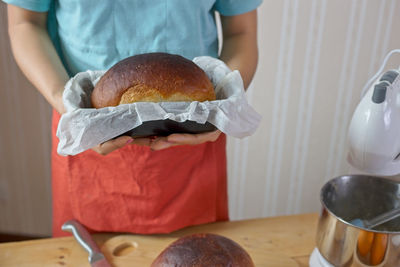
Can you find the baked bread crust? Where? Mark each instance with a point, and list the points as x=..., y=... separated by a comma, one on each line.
x=203, y=250
x=152, y=77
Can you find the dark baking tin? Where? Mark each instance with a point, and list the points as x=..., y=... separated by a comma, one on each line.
x=167, y=127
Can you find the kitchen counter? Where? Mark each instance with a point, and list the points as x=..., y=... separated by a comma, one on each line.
x=275, y=241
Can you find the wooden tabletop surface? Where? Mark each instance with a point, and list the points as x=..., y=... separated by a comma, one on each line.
x=275, y=241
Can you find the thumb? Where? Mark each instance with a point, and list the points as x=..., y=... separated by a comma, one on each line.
x=111, y=145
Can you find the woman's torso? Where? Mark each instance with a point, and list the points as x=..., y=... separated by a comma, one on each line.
x=135, y=189
x=97, y=34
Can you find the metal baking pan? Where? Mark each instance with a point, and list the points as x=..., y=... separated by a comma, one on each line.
x=167, y=127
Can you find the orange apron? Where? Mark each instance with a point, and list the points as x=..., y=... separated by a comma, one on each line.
x=137, y=190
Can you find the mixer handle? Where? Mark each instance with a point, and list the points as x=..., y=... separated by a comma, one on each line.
x=370, y=81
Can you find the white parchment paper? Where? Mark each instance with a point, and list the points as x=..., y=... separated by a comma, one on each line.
x=82, y=127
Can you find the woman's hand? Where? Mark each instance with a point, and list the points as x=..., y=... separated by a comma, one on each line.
x=117, y=143
x=184, y=139
x=158, y=143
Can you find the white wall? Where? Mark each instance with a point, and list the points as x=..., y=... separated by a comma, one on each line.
x=315, y=56
x=25, y=189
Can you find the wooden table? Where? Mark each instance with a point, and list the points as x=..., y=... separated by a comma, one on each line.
x=276, y=241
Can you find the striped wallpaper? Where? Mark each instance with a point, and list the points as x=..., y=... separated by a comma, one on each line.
x=25, y=189
x=315, y=56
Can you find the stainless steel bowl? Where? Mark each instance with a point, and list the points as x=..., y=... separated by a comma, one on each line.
x=346, y=198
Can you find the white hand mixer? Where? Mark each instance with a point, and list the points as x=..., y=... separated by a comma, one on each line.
x=374, y=131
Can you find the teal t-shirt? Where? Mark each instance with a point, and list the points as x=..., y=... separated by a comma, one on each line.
x=95, y=35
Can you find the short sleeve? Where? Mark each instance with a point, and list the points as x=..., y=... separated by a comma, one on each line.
x=236, y=7
x=33, y=5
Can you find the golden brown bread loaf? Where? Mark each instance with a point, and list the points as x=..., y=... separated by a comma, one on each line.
x=203, y=250
x=152, y=77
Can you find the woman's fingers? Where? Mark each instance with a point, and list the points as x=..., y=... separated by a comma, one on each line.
x=193, y=139
x=158, y=143
x=111, y=145
x=142, y=141
x=161, y=143
x=117, y=143
x=184, y=139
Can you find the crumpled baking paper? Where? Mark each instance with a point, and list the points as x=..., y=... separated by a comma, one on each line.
x=83, y=127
